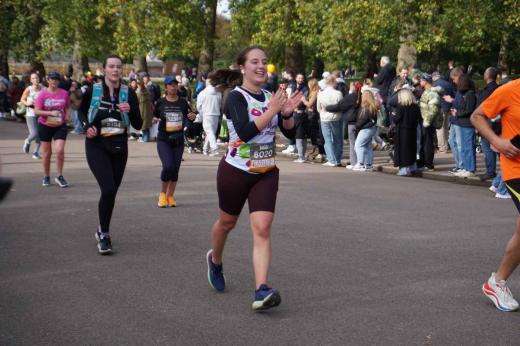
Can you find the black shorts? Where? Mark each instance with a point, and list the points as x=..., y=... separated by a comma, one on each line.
x=47, y=133
x=234, y=187
x=513, y=186
x=301, y=125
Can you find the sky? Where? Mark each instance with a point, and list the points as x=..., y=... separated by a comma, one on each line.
x=222, y=8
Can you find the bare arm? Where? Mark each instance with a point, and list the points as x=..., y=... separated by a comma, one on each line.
x=504, y=146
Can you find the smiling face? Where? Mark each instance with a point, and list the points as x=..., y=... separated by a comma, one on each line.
x=255, y=67
x=113, y=70
x=35, y=79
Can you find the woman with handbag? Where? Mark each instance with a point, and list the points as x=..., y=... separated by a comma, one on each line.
x=172, y=112
x=107, y=109
x=28, y=97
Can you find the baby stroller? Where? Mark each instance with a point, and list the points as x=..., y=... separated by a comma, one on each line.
x=194, y=136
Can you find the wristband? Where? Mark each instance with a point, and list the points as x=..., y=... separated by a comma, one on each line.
x=287, y=117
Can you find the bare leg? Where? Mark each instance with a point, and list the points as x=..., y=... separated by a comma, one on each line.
x=164, y=186
x=171, y=188
x=59, y=146
x=261, y=222
x=46, y=155
x=224, y=224
x=511, y=258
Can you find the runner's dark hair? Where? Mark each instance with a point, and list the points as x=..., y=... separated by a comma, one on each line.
x=111, y=56
x=232, y=78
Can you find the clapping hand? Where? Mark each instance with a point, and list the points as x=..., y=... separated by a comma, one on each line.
x=293, y=102
x=278, y=101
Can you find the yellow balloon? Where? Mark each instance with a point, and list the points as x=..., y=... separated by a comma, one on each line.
x=271, y=68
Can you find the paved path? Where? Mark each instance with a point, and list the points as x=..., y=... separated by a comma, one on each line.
x=359, y=258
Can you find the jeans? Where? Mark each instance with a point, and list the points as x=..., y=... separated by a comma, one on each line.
x=468, y=148
x=333, y=140
x=498, y=182
x=363, y=146
x=78, y=126
x=490, y=157
x=455, y=141
x=352, y=142
x=301, y=147
x=146, y=135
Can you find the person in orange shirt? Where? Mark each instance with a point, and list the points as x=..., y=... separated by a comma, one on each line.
x=506, y=102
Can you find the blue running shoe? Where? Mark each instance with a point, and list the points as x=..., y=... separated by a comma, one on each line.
x=104, y=243
x=216, y=277
x=266, y=298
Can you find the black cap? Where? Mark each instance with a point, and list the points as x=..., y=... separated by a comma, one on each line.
x=54, y=75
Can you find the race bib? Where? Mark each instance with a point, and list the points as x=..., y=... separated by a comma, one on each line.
x=262, y=157
x=54, y=120
x=112, y=127
x=173, y=122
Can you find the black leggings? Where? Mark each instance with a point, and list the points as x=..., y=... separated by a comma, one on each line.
x=108, y=168
x=171, y=157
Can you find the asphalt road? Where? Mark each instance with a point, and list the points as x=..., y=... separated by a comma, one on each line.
x=359, y=258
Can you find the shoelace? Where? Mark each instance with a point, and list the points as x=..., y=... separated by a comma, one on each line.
x=506, y=293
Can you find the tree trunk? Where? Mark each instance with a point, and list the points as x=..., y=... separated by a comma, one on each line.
x=294, y=51
x=207, y=52
x=35, y=62
x=371, y=65
x=294, y=58
x=140, y=63
x=79, y=61
x=7, y=13
x=406, y=56
x=318, y=67
x=503, y=54
x=4, y=64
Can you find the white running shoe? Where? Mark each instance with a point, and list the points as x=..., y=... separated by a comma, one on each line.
x=299, y=161
x=499, y=294
x=502, y=196
x=289, y=150
x=464, y=174
x=328, y=164
x=358, y=167
x=349, y=167
x=493, y=189
x=214, y=153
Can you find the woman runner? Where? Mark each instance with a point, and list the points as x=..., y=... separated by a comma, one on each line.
x=28, y=98
x=107, y=109
x=53, y=108
x=248, y=170
x=172, y=112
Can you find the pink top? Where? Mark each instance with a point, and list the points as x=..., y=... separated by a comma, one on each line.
x=53, y=101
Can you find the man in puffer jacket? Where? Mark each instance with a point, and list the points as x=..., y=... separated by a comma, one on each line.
x=430, y=105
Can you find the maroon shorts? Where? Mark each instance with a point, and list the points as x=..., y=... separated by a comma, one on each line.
x=234, y=187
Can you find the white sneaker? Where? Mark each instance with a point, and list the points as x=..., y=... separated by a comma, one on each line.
x=290, y=150
x=464, y=174
x=299, y=161
x=499, y=294
x=502, y=196
x=349, y=167
x=204, y=152
x=214, y=153
x=493, y=189
x=328, y=164
x=358, y=167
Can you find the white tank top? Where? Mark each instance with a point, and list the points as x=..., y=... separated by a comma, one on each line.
x=33, y=94
x=257, y=155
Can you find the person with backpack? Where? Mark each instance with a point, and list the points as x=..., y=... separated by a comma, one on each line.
x=107, y=109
